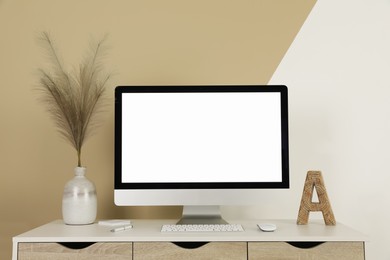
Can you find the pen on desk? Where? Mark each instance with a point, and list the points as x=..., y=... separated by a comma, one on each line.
x=121, y=228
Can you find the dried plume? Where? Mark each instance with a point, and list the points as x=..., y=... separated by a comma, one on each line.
x=74, y=98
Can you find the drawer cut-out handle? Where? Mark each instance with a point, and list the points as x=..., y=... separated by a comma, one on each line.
x=76, y=245
x=190, y=245
x=305, y=245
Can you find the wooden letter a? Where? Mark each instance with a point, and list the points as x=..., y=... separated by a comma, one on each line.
x=314, y=180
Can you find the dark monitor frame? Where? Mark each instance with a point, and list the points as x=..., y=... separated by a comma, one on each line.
x=284, y=184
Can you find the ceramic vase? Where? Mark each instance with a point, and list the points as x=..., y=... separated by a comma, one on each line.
x=79, y=201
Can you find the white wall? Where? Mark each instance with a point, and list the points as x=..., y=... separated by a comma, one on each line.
x=338, y=74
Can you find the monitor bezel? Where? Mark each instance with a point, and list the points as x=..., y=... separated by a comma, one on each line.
x=119, y=90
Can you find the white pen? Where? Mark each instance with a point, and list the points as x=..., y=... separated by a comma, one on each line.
x=121, y=228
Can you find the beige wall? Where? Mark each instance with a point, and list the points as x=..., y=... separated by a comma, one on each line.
x=151, y=42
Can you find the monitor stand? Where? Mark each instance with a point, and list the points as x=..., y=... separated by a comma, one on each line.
x=201, y=215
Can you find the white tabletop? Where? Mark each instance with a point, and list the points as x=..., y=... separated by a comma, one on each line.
x=149, y=230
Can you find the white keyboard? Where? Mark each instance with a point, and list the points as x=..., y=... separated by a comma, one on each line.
x=202, y=228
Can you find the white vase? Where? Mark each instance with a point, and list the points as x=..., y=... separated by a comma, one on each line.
x=79, y=202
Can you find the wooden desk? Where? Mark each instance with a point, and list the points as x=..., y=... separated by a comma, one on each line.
x=145, y=241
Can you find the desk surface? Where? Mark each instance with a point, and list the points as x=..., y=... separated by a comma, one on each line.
x=149, y=230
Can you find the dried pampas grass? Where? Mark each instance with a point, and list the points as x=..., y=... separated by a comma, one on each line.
x=74, y=99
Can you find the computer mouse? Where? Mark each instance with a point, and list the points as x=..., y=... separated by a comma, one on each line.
x=267, y=227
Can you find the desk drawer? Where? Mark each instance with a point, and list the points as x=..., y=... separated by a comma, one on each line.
x=322, y=251
x=55, y=251
x=190, y=250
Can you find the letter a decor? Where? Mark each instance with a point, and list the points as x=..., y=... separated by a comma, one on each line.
x=314, y=180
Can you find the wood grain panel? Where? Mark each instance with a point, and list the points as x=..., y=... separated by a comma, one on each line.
x=325, y=251
x=97, y=251
x=211, y=251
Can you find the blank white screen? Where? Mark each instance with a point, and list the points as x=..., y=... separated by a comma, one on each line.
x=201, y=137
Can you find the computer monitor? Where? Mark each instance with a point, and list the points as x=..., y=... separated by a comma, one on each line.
x=199, y=146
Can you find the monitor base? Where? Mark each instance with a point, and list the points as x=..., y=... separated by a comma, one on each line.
x=201, y=215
